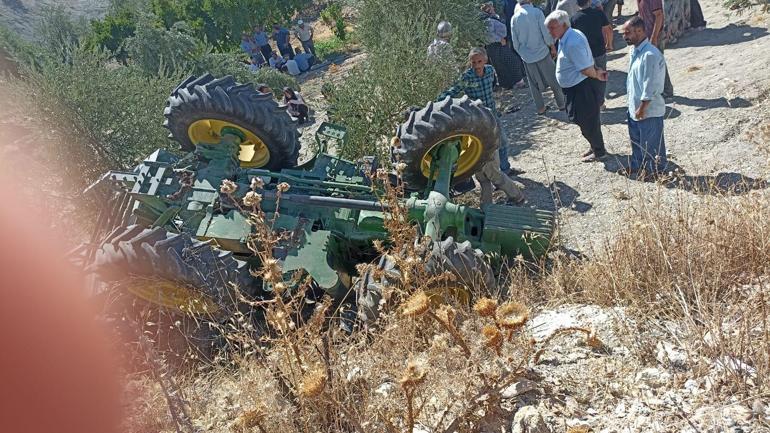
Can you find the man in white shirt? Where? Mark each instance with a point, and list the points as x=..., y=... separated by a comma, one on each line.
x=304, y=32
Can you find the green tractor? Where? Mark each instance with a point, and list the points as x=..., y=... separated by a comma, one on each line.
x=173, y=239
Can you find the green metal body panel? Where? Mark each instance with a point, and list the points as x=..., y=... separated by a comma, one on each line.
x=330, y=211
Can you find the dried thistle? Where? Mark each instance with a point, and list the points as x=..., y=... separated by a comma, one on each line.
x=493, y=338
x=257, y=183
x=313, y=384
x=416, y=305
x=250, y=419
x=228, y=187
x=579, y=429
x=512, y=315
x=252, y=199
x=283, y=187
x=271, y=269
x=485, y=307
x=414, y=375
x=400, y=167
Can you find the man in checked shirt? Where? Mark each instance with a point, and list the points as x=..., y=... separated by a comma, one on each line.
x=477, y=83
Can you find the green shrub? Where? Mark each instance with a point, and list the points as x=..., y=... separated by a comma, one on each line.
x=116, y=110
x=158, y=51
x=111, y=32
x=329, y=47
x=332, y=17
x=396, y=73
x=220, y=22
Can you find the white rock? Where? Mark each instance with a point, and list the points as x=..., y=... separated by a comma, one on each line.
x=529, y=420
x=521, y=386
x=653, y=377
x=385, y=389
x=418, y=428
x=669, y=354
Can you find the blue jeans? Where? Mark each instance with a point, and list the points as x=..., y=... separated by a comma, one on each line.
x=505, y=166
x=648, y=146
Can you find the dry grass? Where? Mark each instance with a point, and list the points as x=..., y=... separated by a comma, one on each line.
x=444, y=365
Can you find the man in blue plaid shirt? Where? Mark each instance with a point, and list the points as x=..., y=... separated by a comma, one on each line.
x=477, y=83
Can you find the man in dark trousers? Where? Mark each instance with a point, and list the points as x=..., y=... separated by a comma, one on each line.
x=281, y=37
x=580, y=79
x=594, y=24
x=651, y=12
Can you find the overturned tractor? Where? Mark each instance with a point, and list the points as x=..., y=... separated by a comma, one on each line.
x=174, y=240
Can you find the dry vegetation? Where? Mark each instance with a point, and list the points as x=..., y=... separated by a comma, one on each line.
x=694, y=275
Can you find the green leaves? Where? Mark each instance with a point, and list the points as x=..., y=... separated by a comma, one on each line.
x=396, y=73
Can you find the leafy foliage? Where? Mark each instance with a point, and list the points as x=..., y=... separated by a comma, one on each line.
x=111, y=32
x=332, y=17
x=220, y=22
x=394, y=75
x=156, y=50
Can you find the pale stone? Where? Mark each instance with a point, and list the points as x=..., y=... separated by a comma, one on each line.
x=529, y=420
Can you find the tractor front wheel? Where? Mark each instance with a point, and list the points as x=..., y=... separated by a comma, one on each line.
x=463, y=120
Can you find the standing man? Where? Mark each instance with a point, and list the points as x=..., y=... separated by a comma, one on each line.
x=646, y=106
x=260, y=39
x=477, y=83
x=304, y=32
x=281, y=37
x=535, y=46
x=593, y=23
x=651, y=12
x=580, y=80
x=569, y=6
x=440, y=48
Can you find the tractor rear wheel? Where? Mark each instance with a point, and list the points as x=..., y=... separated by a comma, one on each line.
x=438, y=122
x=176, y=287
x=460, y=259
x=200, y=107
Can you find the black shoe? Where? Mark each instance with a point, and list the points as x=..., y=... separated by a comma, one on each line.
x=594, y=158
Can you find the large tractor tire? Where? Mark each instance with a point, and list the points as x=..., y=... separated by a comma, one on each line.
x=200, y=107
x=178, y=289
x=463, y=118
x=460, y=259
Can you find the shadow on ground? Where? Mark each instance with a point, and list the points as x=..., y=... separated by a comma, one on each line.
x=557, y=195
x=707, y=104
x=722, y=184
x=618, y=115
x=728, y=35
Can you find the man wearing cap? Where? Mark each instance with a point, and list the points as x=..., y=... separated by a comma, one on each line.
x=304, y=32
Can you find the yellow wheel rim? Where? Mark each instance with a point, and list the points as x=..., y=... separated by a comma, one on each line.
x=254, y=153
x=470, y=153
x=171, y=295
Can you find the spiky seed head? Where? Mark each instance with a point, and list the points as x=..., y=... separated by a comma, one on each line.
x=313, y=383
x=228, y=187
x=416, y=305
x=257, y=183
x=271, y=269
x=400, y=167
x=493, y=338
x=252, y=199
x=283, y=187
x=414, y=375
x=251, y=418
x=512, y=315
x=485, y=307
